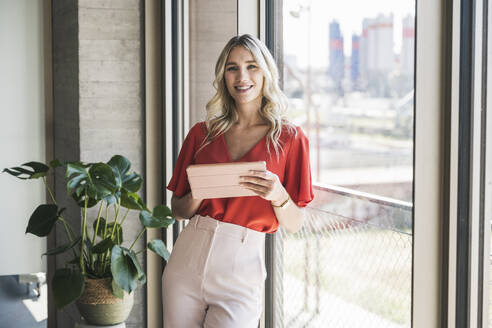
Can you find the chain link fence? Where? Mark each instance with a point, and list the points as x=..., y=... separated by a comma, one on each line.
x=345, y=270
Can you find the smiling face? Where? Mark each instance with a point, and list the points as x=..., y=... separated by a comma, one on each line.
x=243, y=76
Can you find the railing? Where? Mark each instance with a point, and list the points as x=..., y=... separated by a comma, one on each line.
x=349, y=266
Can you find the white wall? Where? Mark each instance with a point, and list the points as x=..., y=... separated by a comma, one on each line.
x=22, y=132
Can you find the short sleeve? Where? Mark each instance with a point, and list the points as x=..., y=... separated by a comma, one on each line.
x=297, y=177
x=179, y=181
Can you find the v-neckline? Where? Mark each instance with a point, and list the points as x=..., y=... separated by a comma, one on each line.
x=245, y=154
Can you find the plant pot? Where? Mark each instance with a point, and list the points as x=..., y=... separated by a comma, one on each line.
x=98, y=306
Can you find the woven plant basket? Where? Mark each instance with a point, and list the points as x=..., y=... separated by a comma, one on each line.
x=98, y=306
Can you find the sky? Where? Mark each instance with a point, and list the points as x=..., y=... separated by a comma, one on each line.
x=349, y=13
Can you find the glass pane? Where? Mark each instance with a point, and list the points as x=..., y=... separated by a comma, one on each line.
x=349, y=76
x=488, y=262
x=348, y=71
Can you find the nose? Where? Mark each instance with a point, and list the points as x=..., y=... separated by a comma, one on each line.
x=243, y=74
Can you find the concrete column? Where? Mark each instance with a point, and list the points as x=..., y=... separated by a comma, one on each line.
x=212, y=24
x=98, y=107
x=65, y=135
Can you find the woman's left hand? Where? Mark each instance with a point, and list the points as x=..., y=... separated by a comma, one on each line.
x=266, y=185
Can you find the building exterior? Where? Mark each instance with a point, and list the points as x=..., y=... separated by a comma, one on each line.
x=377, y=56
x=407, y=46
x=336, y=68
x=355, y=62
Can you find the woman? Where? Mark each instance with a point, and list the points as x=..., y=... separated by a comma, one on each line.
x=215, y=276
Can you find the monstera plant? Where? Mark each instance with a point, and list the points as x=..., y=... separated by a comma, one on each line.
x=98, y=252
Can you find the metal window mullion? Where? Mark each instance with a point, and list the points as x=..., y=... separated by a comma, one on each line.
x=269, y=26
x=177, y=88
x=168, y=115
x=50, y=141
x=451, y=66
x=486, y=173
x=185, y=72
x=185, y=78
x=466, y=114
x=154, y=171
x=475, y=264
x=429, y=165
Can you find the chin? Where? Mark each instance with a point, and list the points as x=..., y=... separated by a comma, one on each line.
x=241, y=100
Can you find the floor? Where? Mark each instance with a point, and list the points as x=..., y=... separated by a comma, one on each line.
x=18, y=309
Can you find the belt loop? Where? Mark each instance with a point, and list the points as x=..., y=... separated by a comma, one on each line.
x=196, y=221
x=245, y=235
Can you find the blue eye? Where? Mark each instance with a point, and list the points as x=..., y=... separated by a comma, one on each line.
x=232, y=68
x=251, y=66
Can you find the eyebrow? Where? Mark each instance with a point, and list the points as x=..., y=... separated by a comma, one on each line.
x=233, y=63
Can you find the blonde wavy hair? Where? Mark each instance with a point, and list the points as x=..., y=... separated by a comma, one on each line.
x=221, y=109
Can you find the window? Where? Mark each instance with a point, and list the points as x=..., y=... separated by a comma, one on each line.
x=348, y=71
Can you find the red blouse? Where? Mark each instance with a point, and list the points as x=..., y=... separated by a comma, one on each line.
x=253, y=212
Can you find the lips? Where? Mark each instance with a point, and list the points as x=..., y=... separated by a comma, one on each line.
x=242, y=88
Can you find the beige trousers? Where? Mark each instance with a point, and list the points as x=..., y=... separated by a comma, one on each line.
x=215, y=276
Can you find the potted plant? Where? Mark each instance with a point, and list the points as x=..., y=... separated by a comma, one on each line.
x=101, y=274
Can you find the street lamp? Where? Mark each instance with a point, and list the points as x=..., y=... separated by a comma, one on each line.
x=307, y=90
x=296, y=14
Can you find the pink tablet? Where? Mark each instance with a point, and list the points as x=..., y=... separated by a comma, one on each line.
x=220, y=180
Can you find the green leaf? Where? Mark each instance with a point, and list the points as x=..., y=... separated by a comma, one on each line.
x=79, y=190
x=92, y=192
x=17, y=171
x=37, y=167
x=116, y=290
x=162, y=211
x=75, y=168
x=37, y=170
x=132, y=201
x=81, y=200
x=60, y=211
x=121, y=166
x=103, y=246
x=140, y=273
x=160, y=218
x=42, y=220
x=62, y=248
x=79, y=181
x=132, y=182
x=55, y=163
x=113, y=198
x=102, y=179
x=68, y=285
x=95, y=182
x=100, y=231
x=123, y=269
x=95, y=179
x=159, y=248
x=88, y=244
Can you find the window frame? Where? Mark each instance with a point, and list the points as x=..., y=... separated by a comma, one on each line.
x=429, y=171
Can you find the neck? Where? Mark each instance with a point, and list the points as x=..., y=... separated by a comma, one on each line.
x=249, y=114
